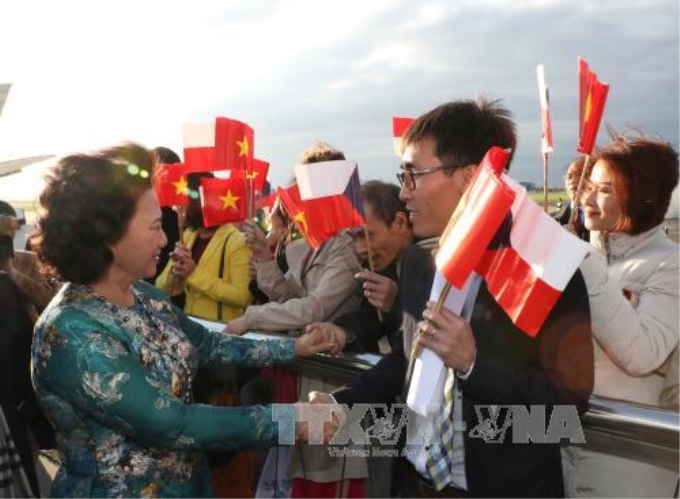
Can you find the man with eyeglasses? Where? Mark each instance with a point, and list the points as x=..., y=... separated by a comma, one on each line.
x=490, y=361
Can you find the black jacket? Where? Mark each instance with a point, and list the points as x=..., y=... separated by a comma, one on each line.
x=365, y=325
x=563, y=219
x=511, y=368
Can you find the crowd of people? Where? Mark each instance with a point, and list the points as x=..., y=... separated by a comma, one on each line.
x=140, y=400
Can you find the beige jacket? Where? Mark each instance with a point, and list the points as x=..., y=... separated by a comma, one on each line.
x=320, y=287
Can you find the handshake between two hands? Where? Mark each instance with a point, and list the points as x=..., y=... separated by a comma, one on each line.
x=319, y=337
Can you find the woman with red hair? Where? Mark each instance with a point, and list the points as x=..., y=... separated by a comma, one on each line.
x=632, y=280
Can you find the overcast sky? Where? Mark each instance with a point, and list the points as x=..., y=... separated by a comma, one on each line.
x=89, y=74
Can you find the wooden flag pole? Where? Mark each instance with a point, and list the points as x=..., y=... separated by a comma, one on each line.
x=579, y=191
x=370, y=262
x=250, y=196
x=437, y=308
x=545, y=181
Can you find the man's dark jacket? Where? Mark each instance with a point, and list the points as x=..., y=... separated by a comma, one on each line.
x=555, y=368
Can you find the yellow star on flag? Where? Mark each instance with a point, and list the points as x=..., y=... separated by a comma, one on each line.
x=243, y=146
x=252, y=175
x=589, y=105
x=181, y=186
x=302, y=220
x=229, y=200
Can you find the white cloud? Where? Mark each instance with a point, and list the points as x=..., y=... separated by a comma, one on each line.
x=87, y=74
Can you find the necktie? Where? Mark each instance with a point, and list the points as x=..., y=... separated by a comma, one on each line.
x=439, y=455
x=578, y=222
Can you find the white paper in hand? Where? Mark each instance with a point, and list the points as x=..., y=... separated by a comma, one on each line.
x=426, y=391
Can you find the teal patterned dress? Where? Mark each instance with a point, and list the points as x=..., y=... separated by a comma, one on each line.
x=116, y=384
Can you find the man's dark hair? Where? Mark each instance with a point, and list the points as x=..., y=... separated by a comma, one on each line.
x=384, y=200
x=7, y=209
x=166, y=156
x=465, y=130
x=89, y=200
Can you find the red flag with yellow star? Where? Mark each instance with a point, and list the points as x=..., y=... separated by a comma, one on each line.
x=592, y=99
x=170, y=184
x=234, y=144
x=290, y=197
x=258, y=173
x=223, y=201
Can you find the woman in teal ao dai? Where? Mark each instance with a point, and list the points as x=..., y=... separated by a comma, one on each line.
x=113, y=359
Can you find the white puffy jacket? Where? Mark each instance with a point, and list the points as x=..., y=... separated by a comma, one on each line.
x=633, y=289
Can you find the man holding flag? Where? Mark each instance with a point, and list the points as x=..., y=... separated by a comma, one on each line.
x=491, y=361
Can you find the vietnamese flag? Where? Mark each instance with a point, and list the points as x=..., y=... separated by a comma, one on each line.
x=476, y=220
x=170, y=184
x=331, y=193
x=592, y=99
x=222, y=201
x=399, y=127
x=258, y=173
x=199, y=147
x=544, y=99
x=290, y=197
x=234, y=143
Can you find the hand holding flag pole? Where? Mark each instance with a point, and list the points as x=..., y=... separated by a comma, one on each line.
x=592, y=100
x=417, y=348
x=547, y=138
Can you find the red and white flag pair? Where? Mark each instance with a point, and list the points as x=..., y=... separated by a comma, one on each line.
x=525, y=257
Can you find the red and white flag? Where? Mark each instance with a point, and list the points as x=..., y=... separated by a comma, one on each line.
x=399, y=126
x=477, y=218
x=592, y=99
x=526, y=264
x=544, y=98
x=199, y=147
x=331, y=194
x=531, y=262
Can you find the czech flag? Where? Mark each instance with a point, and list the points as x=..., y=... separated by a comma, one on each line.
x=331, y=191
x=526, y=261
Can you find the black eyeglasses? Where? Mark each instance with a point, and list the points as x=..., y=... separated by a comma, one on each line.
x=408, y=177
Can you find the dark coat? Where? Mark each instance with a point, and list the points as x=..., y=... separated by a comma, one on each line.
x=511, y=368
